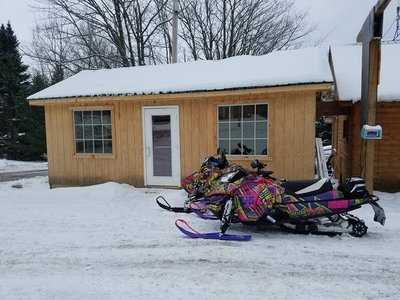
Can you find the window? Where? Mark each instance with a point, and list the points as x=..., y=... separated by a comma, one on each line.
x=243, y=129
x=93, y=131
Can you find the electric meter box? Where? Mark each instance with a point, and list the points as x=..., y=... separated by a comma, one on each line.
x=369, y=132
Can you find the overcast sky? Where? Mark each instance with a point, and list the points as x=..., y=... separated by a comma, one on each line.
x=337, y=21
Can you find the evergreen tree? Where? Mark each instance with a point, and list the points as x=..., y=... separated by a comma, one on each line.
x=32, y=140
x=13, y=89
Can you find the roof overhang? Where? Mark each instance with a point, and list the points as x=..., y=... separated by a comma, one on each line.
x=309, y=87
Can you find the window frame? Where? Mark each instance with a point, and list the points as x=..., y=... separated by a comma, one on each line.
x=246, y=156
x=93, y=155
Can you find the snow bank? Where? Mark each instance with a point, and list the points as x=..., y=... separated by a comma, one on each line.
x=347, y=64
x=302, y=66
x=15, y=166
x=111, y=241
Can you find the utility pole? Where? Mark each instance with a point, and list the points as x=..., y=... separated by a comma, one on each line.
x=175, y=11
x=370, y=36
x=397, y=32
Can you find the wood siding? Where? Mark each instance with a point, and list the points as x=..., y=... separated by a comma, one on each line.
x=290, y=145
x=341, y=141
x=387, y=150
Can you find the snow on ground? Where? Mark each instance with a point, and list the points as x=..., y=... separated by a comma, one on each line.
x=111, y=241
x=16, y=166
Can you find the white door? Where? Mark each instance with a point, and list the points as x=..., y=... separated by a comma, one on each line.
x=161, y=146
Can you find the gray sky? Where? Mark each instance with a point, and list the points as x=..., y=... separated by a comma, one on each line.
x=337, y=21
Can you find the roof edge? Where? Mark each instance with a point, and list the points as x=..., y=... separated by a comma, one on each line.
x=315, y=86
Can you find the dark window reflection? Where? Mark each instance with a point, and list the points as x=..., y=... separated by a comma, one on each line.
x=236, y=147
x=248, y=130
x=106, y=117
x=236, y=130
x=261, y=147
x=248, y=147
x=236, y=113
x=89, y=146
x=87, y=117
x=223, y=130
x=162, y=156
x=108, y=146
x=261, y=130
x=248, y=113
x=261, y=112
x=97, y=117
x=78, y=117
x=223, y=114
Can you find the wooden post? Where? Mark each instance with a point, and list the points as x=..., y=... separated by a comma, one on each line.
x=370, y=36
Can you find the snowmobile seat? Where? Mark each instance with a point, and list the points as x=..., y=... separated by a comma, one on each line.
x=305, y=188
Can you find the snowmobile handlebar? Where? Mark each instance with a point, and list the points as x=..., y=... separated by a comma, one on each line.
x=256, y=164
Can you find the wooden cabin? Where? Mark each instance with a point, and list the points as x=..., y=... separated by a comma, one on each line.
x=154, y=125
x=346, y=126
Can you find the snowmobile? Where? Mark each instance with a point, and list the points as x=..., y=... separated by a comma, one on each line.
x=233, y=194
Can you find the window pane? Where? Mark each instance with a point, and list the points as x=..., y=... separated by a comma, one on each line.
x=88, y=146
x=106, y=117
x=248, y=147
x=78, y=117
x=79, y=147
x=98, y=146
x=108, y=146
x=236, y=147
x=261, y=112
x=87, y=117
x=98, y=132
x=236, y=130
x=261, y=147
x=248, y=113
x=248, y=130
x=162, y=153
x=261, y=130
x=236, y=113
x=79, y=132
x=161, y=131
x=97, y=117
x=107, y=133
x=224, y=146
x=223, y=113
x=223, y=130
x=88, y=133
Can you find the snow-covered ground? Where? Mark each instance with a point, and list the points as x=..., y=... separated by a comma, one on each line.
x=16, y=166
x=111, y=241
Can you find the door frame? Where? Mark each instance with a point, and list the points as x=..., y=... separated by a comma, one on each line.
x=177, y=150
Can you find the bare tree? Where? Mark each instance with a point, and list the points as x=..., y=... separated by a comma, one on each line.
x=225, y=28
x=91, y=34
x=99, y=33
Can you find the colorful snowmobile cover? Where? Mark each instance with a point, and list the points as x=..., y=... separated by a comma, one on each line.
x=253, y=196
x=233, y=194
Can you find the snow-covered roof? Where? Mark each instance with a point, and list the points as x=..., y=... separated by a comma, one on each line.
x=291, y=67
x=347, y=62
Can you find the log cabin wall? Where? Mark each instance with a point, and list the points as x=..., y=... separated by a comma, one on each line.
x=290, y=145
x=387, y=150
